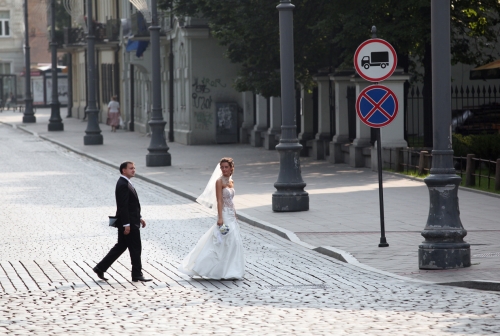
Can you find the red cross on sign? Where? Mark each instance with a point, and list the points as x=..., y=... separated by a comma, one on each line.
x=377, y=106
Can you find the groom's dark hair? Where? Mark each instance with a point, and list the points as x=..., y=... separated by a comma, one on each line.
x=124, y=165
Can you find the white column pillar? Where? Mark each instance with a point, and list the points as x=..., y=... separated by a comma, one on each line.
x=320, y=148
x=392, y=135
x=260, y=122
x=342, y=80
x=306, y=120
x=271, y=137
x=363, y=132
x=248, y=119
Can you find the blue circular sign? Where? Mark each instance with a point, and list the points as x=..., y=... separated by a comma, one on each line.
x=377, y=106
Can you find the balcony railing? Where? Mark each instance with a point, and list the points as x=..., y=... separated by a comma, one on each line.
x=74, y=36
x=113, y=29
x=78, y=36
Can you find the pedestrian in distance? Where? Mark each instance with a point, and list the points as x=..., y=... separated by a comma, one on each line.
x=219, y=252
x=114, y=113
x=128, y=223
x=11, y=101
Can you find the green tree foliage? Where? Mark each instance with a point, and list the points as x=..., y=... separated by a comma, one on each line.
x=327, y=33
x=250, y=31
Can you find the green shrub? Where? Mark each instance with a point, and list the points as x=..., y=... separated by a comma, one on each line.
x=484, y=146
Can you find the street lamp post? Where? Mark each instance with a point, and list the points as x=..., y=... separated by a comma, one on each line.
x=290, y=194
x=171, y=84
x=29, y=115
x=444, y=246
x=158, y=155
x=55, y=121
x=93, y=134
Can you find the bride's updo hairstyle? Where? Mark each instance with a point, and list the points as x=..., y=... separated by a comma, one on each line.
x=230, y=161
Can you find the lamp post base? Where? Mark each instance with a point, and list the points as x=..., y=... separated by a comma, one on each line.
x=290, y=201
x=93, y=139
x=56, y=127
x=29, y=119
x=158, y=160
x=444, y=247
x=440, y=256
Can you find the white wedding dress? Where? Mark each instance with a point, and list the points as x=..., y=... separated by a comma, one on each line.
x=218, y=256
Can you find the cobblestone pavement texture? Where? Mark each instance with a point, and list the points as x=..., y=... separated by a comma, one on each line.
x=54, y=208
x=343, y=201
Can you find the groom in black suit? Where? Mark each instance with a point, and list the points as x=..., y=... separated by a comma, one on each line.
x=129, y=221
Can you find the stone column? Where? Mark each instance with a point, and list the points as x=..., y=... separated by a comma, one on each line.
x=306, y=120
x=363, y=133
x=320, y=148
x=392, y=135
x=248, y=119
x=260, y=123
x=342, y=80
x=271, y=137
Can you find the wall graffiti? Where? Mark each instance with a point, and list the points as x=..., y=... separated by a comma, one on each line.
x=213, y=83
x=203, y=120
x=202, y=102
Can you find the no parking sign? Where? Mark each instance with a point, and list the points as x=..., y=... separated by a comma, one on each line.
x=377, y=106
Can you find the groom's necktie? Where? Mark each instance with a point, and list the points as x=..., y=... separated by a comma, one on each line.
x=133, y=189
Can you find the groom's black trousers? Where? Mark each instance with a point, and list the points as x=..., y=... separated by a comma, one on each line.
x=132, y=241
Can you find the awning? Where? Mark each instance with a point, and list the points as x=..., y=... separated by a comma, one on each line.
x=488, y=71
x=139, y=47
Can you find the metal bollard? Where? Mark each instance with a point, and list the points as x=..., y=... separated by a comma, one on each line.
x=469, y=171
x=497, y=176
x=421, y=162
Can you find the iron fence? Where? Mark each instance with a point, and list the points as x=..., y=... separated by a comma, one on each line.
x=466, y=101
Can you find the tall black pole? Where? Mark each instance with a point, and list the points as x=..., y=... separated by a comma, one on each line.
x=55, y=121
x=383, y=239
x=70, y=85
x=29, y=115
x=444, y=246
x=158, y=155
x=70, y=78
x=290, y=194
x=93, y=134
x=171, y=85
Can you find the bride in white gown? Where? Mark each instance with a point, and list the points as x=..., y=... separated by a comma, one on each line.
x=218, y=255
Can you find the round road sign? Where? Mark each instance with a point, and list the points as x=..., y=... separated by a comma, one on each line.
x=377, y=106
x=375, y=60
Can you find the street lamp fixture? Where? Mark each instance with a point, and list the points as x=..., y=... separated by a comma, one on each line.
x=290, y=194
x=55, y=121
x=444, y=247
x=93, y=134
x=158, y=155
x=29, y=115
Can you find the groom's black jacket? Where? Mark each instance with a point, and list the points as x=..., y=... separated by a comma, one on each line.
x=128, y=208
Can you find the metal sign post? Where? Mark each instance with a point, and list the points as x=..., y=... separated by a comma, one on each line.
x=377, y=106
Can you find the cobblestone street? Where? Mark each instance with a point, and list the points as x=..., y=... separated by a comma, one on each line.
x=54, y=230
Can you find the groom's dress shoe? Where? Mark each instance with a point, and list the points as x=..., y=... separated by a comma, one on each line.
x=141, y=278
x=99, y=273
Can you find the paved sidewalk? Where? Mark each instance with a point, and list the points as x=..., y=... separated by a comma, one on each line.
x=343, y=201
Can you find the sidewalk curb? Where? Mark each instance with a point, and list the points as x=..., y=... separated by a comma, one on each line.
x=475, y=284
x=343, y=256
x=459, y=187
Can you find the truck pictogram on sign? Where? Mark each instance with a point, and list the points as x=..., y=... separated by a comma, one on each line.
x=376, y=58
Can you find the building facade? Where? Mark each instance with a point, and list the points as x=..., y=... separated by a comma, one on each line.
x=11, y=49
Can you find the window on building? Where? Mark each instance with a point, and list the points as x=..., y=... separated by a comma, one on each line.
x=4, y=23
x=4, y=68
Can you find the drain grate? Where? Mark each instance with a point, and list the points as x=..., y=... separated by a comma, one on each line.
x=290, y=287
x=487, y=255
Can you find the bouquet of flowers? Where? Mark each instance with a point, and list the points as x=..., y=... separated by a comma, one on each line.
x=224, y=229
